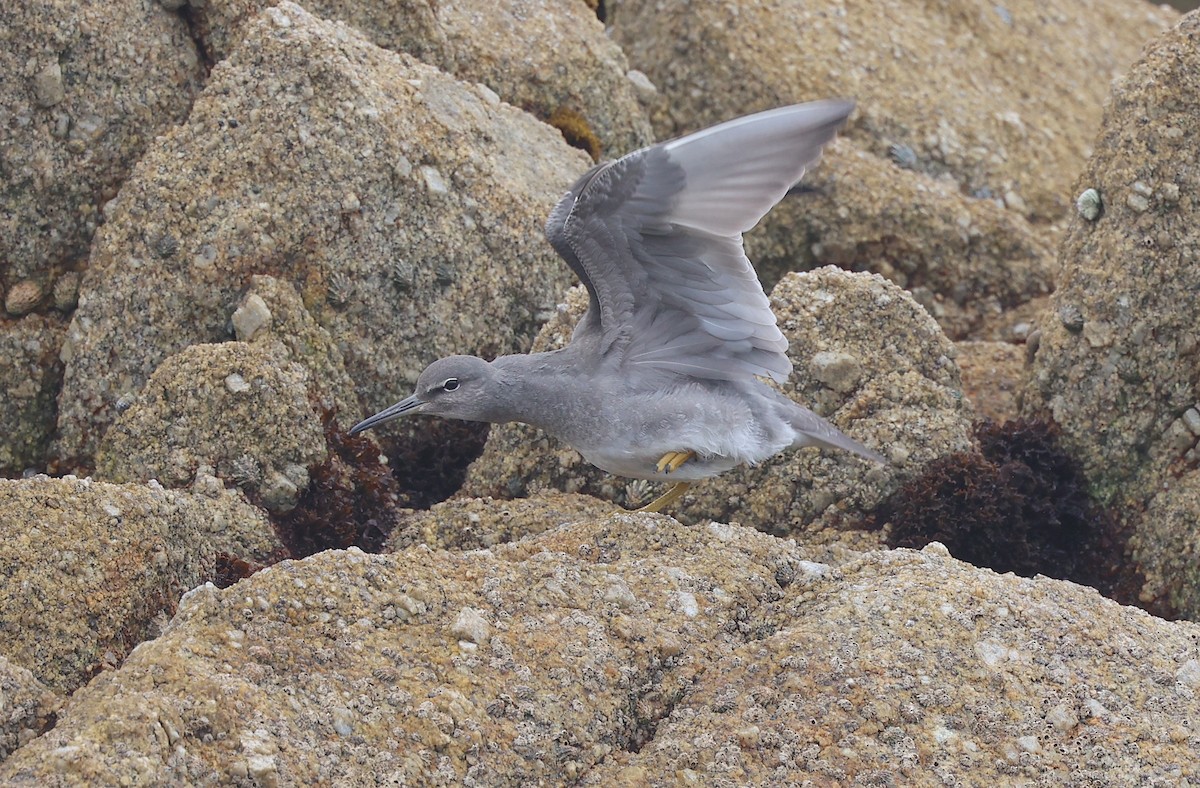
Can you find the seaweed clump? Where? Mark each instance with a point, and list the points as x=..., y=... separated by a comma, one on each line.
x=576, y=131
x=229, y=569
x=351, y=499
x=433, y=468
x=1020, y=505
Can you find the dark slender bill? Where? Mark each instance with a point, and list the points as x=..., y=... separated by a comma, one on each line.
x=395, y=411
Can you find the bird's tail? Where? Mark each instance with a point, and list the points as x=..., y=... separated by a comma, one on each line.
x=812, y=430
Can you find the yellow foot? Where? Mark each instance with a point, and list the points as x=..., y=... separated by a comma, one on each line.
x=666, y=499
x=672, y=460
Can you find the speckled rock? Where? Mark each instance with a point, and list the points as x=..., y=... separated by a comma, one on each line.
x=272, y=317
x=478, y=523
x=552, y=59
x=1118, y=364
x=30, y=375
x=633, y=650
x=961, y=143
x=966, y=260
x=27, y=707
x=1166, y=546
x=915, y=669
x=992, y=374
x=399, y=202
x=524, y=666
x=234, y=407
x=91, y=567
x=84, y=88
x=904, y=399
x=928, y=78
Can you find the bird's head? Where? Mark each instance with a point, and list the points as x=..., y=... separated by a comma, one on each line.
x=456, y=387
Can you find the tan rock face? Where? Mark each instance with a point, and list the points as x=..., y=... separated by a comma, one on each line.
x=233, y=407
x=865, y=355
x=626, y=648
x=398, y=201
x=85, y=87
x=90, y=567
x=957, y=170
x=1118, y=365
x=548, y=58
x=481, y=523
x=849, y=689
x=1166, y=544
x=965, y=260
x=992, y=374
x=271, y=316
x=928, y=78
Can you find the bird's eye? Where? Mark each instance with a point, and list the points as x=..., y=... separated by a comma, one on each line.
x=450, y=385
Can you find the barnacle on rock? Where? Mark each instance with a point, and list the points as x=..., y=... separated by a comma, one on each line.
x=637, y=492
x=165, y=245
x=245, y=471
x=903, y=155
x=404, y=274
x=1090, y=204
x=340, y=288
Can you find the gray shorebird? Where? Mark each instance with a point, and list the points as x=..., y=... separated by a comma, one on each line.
x=660, y=379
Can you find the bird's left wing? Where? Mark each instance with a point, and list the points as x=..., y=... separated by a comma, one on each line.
x=656, y=237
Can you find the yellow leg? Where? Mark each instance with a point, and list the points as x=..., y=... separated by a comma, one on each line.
x=672, y=460
x=666, y=499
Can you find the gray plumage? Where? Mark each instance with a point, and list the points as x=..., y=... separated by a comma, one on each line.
x=678, y=327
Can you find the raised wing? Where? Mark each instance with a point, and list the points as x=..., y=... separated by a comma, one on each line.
x=656, y=237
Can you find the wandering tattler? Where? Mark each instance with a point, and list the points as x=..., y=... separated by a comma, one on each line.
x=660, y=380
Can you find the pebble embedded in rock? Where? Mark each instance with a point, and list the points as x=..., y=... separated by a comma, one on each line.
x=48, y=86
x=471, y=626
x=252, y=316
x=839, y=371
x=236, y=383
x=1191, y=418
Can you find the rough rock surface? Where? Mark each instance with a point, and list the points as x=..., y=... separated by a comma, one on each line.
x=542, y=56
x=865, y=355
x=234, y=407
x=992, y=374
x=1166, y=546
x=84, y=89
x=1118, y=365
x=90, y=566
x=480, y=523
x=628, y=650
x=273, y=317
x=528, y=665
x=30, y=375
x=915, y=669
x=27, y=707
x=962, y=86
x=965, y=260
x=397, y=200
x=954, y=176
